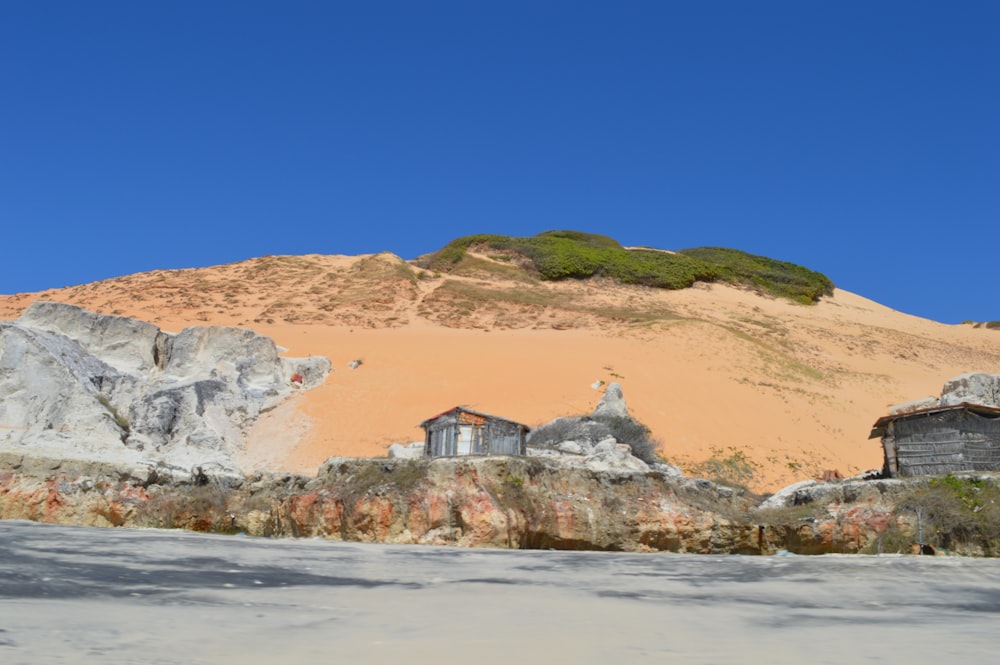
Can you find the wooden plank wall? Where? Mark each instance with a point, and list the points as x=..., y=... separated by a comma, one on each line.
x=947, y=442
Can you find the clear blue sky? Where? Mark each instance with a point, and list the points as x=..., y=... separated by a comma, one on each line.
x=858, y=138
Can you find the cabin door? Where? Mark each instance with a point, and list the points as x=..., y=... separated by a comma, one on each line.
x=464, y=442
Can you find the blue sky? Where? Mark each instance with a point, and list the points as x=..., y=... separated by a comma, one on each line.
x=860, y=139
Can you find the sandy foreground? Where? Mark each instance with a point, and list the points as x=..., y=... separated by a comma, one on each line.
x=76, y=595
x=715, y=371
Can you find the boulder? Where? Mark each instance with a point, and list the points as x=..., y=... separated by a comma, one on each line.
x=667, y=470
x=610, y=456
x=606, y=446
x=974, y=388
x=414, y=450
x=570, y=448
x=786, y=496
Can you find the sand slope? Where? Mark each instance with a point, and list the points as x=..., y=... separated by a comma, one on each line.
x=715, y=371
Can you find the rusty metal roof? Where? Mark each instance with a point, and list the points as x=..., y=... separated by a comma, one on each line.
x=463, y=409
x=878, y=429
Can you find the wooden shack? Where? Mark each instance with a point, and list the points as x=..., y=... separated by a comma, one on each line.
x=461, y=431
x=943, y=439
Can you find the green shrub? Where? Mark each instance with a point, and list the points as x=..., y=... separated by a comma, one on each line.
x=729, y=466
x=451, y=254
x=632, y=432
x=789, y=515
x=207, y=508
x=556, y=255
x=120, y=419
x=894, y=539
x=559, y=430
x=776, y=277
x=956, y=512
x=591, y=239
x=592, y=429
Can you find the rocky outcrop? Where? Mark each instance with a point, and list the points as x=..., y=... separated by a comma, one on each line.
x=516, y=503
x=921, y=515
x=85, y=386
x=971, y=388
x=609, y=439
x=503, y=502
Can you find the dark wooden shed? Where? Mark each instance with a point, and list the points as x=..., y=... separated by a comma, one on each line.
x=944, y=439
x=461, y=431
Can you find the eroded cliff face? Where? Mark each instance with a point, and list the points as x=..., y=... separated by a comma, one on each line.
x=491, y=502
x=85, y=386
x=513, y=503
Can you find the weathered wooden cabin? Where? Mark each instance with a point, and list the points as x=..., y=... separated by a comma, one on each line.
x=943, y=439
x=461, y=431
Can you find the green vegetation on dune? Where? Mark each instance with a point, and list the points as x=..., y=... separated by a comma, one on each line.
x=777, y=277
x=555, y=255
x=589, y=239
x=992, y=325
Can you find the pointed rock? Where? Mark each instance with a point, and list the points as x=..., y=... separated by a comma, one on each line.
x=612, y=405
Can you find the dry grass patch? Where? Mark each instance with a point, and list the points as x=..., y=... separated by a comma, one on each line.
x=458, y=299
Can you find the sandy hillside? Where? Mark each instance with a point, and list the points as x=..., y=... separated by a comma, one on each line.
x=752, y=383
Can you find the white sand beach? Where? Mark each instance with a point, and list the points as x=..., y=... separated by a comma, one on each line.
x=78, y=595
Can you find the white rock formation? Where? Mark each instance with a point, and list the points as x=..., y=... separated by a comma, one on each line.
x=783, y=497
x=589, y=441
x=974, y=388
x=609, y=455
x=572, y=448
x=412, y=450
x=612, y=405
x=79, y=385
x=914, y=405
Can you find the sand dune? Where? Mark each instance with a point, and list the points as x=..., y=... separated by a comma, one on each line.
x=758, y=384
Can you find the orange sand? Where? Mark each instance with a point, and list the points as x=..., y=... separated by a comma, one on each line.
x=794, y=388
